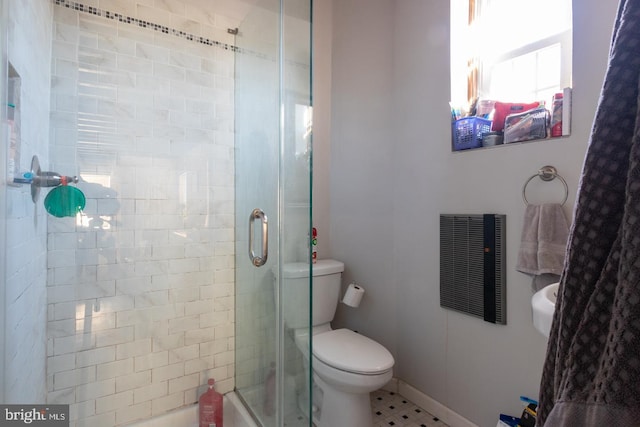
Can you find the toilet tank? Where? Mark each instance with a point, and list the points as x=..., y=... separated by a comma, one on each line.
x=327, y=277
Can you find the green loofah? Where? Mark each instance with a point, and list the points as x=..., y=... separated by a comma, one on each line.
x=64, y=201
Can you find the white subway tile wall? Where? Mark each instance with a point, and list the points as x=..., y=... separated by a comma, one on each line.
x=140, y=289
x=26, y=313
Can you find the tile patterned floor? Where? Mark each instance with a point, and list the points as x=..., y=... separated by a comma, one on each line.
x=391, y=409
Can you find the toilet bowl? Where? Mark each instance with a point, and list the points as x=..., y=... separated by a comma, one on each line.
x=346, y=365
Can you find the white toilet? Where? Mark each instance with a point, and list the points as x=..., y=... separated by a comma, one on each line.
x=347, y=366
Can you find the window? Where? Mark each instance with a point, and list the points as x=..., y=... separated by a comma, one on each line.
x=510, y=50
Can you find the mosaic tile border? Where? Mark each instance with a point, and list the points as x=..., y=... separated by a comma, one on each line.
x=143, y=24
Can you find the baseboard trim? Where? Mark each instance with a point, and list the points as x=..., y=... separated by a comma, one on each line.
x=431, y=405
x=392, y=385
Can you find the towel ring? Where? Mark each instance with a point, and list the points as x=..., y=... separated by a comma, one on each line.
x=546, y=173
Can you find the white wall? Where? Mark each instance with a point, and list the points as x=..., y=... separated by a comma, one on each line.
x=361, y=169
x=321, y=86
x=29, y=51
x=393, y=173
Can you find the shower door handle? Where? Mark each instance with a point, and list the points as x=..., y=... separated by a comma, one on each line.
x=261, y=260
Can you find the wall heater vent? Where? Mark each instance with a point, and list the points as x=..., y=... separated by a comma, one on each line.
x=472, y=265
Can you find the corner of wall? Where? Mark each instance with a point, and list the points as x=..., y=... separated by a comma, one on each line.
x=322, y=28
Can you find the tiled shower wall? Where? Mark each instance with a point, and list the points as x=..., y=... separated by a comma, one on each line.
x=29, y=54
x=140, y=285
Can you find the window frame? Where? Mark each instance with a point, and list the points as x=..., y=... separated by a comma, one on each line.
x=472, y=68
x=564, y=40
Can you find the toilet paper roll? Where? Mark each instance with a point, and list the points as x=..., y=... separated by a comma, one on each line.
x=353, y=296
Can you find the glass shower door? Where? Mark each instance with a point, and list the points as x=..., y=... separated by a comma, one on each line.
x=273, y=205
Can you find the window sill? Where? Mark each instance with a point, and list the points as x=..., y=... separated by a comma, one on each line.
x=502, y=145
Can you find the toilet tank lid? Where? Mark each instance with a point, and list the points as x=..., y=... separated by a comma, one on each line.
x=322, y=267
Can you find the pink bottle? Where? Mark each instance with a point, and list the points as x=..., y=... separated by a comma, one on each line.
x=270, y=392
x=210, y=407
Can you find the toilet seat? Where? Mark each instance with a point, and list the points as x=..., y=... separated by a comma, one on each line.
x=351, y=352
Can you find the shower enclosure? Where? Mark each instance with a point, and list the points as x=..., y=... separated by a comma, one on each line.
x=273, y=209
x=188, y=124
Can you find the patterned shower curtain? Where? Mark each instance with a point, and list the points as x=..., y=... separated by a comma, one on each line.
x=591, y=374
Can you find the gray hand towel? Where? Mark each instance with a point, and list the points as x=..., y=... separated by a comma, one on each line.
x=543, y=243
